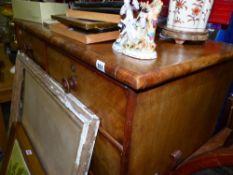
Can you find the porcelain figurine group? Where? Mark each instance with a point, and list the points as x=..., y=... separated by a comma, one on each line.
x=137, y=33
x=187, y=20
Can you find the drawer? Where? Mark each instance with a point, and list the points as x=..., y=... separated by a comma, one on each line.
x=106, y=159
x=23, y=39
x=33, y=47
x=38, y=50
x=100, y=94
x=19, y=37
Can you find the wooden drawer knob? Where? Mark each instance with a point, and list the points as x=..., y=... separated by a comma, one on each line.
x=20, y=32
x=176, y=155
x=69, y=84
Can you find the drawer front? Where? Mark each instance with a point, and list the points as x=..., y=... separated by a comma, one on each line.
x=38, y=51
x=33, y=47
x=100, y=94
x=106, y=159
x=19, y=37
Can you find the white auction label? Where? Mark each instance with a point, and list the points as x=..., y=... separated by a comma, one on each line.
x=28, y=152
x=100, y=65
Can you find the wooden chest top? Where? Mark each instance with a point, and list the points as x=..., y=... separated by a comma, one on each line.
x=173, y=60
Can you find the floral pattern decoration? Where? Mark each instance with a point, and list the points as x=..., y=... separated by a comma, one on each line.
x=196, y=10
x=194, y=15
x=180, y=4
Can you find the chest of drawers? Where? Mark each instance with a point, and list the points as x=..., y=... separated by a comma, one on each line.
x=148, y=109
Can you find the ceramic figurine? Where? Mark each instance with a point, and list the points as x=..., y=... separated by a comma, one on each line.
x=189, y=17
x=137, y=33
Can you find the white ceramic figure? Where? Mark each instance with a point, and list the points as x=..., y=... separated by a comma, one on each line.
x=137, y=34
x=128, y=22
x=189, y=15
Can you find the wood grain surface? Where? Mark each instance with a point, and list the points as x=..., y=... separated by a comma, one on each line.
x=106, y=158
x=148, y=109
x=173, y=60
x=93, y=16
x=90, y=38
x=180, y=115
x=6, y=78
x=94, y=91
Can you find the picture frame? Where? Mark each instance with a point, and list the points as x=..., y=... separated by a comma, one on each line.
x=61, y=128
x=21, y=157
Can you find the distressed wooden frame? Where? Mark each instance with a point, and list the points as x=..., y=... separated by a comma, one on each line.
x=77, y=115
x=17, y=134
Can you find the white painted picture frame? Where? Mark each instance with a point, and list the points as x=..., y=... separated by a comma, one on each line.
x=61, y=129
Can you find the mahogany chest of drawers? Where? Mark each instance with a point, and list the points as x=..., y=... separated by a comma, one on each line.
x=148, y=109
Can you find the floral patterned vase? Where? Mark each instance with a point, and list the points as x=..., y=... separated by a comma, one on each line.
x=189, y=15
